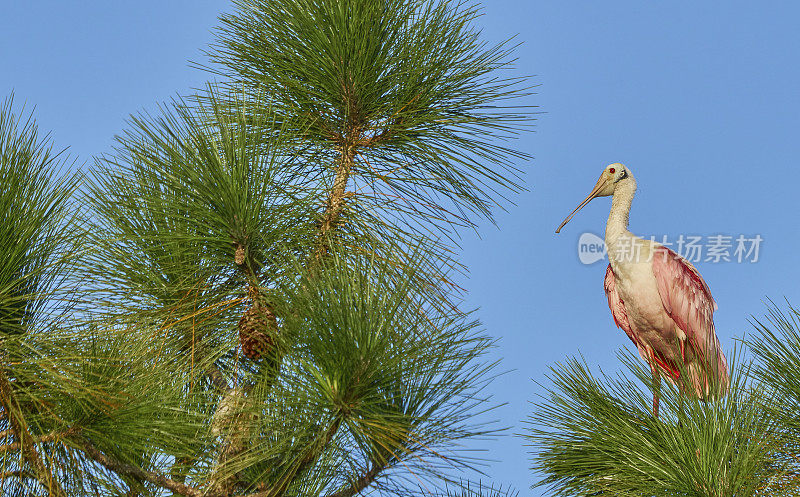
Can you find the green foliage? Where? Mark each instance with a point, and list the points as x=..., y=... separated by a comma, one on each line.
x=183, y=192
x=406, y=86
x=369, y=372
x=775, y=345
x=37, y=243
x=479, y=490
x=38, y=223
x=596, y=435
x=306, y=204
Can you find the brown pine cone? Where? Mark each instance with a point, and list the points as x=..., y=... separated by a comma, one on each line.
x=256, y=328
x=238, y=257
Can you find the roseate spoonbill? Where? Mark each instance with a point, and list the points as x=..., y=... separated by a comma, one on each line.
x=658, y=298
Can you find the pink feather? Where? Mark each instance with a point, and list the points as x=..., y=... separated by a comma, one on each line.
x=687, y=300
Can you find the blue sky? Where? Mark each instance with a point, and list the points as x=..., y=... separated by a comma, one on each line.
x=700, y=101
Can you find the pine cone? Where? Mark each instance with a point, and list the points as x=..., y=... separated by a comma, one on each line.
x=239, y=255
x=256, y=328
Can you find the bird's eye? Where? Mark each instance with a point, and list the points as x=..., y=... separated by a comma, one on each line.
x=611, y=170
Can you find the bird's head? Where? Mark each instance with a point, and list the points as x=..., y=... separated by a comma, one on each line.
x=614, y=176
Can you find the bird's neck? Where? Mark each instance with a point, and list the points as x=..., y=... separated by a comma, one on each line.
x=617, y=224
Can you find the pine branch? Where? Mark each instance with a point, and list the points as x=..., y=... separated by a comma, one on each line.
x=231, y=422
x=401, y=94
x=335, y=205
x=180, y=488
x=595, y=435
x=217, y=379
x=314, y=452
x=50, y=437
x=162, y=481
x=361, y=483
x=26, y=441
x=127, y=469
x=14, y=474
x=335, y=198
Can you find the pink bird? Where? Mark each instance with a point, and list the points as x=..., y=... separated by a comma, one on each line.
x=658, y=298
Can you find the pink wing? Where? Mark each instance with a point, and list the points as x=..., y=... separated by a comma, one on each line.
x=688, y=301
x=616, y=305
x=620, y=314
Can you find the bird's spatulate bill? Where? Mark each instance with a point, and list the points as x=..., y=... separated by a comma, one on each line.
x=592, y=194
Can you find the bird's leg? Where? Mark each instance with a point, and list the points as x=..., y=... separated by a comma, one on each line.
x=681, y=393
x=656, y=389
x=655, y=396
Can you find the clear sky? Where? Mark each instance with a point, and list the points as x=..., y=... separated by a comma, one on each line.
x=701, y=101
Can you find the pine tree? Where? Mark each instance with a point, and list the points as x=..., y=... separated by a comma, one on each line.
x=595, y=434
x=256, y=292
